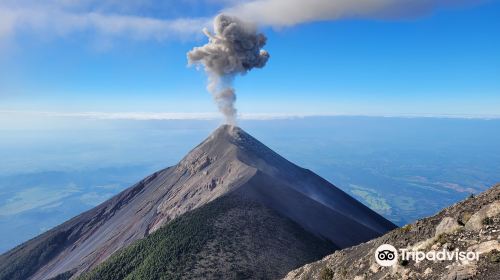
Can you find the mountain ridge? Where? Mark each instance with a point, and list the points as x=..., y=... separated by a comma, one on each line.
x=229, y=160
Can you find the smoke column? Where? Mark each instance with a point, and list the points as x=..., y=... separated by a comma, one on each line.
x=234, y=48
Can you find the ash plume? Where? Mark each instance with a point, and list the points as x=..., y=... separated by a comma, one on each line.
x=234, y=48
x=282, y=13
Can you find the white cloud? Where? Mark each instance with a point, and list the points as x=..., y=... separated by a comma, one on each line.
x=145, y=116
x=114, y=115
x=129, y=18
x=58, y=21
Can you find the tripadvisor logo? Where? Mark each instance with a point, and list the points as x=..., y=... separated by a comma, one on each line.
x=388, y=255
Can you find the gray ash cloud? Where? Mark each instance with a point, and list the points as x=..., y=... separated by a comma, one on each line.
x=234, y=48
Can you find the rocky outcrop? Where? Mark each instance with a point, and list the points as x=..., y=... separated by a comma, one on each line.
x=472, y=225
x=477, y=220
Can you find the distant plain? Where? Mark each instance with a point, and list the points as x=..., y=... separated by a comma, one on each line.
x=53, y=168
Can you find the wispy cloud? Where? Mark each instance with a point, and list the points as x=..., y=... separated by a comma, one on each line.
x=148, y=115
x=133, y=18
x=144, y=116
x=116, y=115
x=58, y=21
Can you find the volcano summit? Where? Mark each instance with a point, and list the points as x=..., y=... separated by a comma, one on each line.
x=232, y=208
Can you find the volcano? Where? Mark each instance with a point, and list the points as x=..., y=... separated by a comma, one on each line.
x=231, y=208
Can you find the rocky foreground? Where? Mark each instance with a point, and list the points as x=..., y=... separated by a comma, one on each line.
x=470, y=225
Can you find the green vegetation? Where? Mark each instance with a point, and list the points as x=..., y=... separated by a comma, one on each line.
x=442, y=238
x=406, y=228
x=372, y=199
x=494, y=256
x=326, y=274
x=342, y=271
x=464, y=218
x=228, y=238
x=488, y=221
x=166, y=253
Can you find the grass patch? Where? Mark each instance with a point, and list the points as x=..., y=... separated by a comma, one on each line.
x=464, y=218
x=488, y=221
x=494, y=256
x=442, y=238
x=406, y=228
x=326, y=274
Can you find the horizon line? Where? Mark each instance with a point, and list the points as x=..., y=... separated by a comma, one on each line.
x=145, y=116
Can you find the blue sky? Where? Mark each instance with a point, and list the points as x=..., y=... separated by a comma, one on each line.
x=443, y=61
